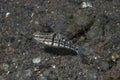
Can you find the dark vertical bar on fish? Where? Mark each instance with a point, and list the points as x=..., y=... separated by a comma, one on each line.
x=53, y=37
x=59, y=42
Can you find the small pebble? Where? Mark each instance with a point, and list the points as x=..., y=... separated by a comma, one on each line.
x=54, y=66
x=7, y=14
x=4, y=66
x=86, y=4
x=36, y=60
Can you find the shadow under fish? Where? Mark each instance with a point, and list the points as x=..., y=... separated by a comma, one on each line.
x=59, y=51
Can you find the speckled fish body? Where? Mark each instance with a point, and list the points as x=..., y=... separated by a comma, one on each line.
x=55, y=40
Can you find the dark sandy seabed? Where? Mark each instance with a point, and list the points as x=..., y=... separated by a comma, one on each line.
x=94, y=24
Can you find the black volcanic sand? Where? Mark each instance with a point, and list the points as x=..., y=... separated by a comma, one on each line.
x=95, y=28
